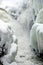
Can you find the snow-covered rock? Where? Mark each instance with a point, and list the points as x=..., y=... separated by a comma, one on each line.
x=10, y=57
x=8, y=40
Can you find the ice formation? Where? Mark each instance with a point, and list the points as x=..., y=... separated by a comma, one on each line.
x=36, y=35
x=37, y=5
